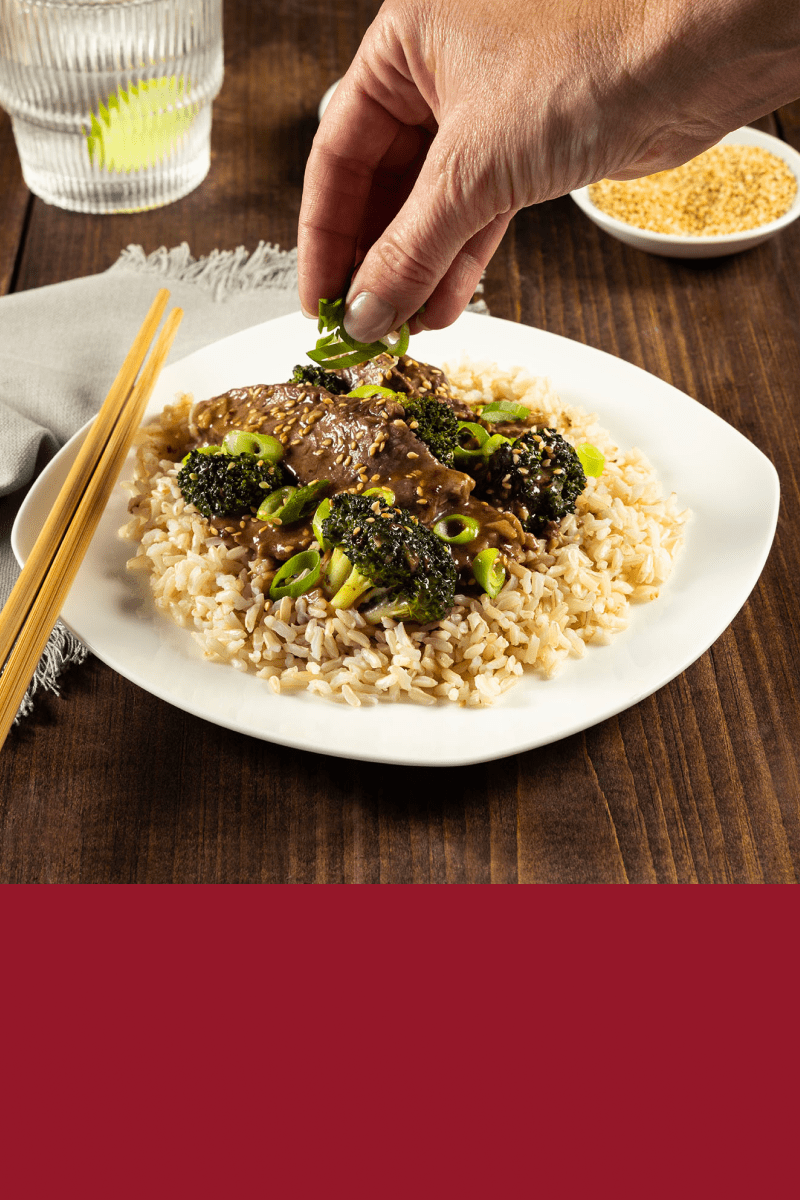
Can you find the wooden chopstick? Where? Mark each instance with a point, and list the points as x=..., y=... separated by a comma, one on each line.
x=65, y=537
x=19, y=602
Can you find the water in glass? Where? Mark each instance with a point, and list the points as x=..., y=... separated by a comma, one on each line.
x=110, y=100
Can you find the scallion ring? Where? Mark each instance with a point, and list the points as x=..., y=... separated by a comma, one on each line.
x=297, y=576
x=467, y=531
x=490, y=445
x=298, y=503
x=274, y=502
x=476, y=433
x=489, y=576
x=504, y=410
x=592, y=460
x=262, y=445
x=386, y=494
x=204, y=450
x=323, y=511
x=370, y=389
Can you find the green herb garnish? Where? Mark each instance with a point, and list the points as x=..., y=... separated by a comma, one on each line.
x=289, y=504
x=337, y=350
x=371, y=389
x=504, y=410
x=488, y=575
x=262, y=445
x=466, y=530
x=297, y=576
x=592, y=460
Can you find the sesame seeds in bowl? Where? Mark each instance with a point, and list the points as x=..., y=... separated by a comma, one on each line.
x=731, y=198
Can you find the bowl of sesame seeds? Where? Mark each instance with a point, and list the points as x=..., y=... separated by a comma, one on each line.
x=732, y=197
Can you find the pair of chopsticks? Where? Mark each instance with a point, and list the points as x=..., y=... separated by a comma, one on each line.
x=31, y=611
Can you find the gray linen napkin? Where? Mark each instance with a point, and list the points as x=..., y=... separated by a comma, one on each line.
x=61, y=347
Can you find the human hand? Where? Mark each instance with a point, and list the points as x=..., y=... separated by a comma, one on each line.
x=457, y=113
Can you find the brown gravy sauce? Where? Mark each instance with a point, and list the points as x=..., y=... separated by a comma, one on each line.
x=355, y=444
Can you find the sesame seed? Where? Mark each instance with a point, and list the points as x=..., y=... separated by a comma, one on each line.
x=724, y=190
x=412, y=454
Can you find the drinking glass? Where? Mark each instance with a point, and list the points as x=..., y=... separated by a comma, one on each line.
x=110, y=100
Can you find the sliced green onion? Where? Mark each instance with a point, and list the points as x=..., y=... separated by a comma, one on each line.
x=323, y=511
x=274, y=502
x=334, y=354
x=476, y=432
x=488, y=575
x=242, y=441
x=386, y=494
x=298, y=503
x=337, y=571
x=592, y=459
x=297, y=576
x=371, y=389
x=491, y=444
x=467, y=533
x=204, y=450
x=331, y=314
x=486, y=444
x=504, y=410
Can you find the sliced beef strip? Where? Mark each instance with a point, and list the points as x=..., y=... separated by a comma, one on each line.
x=355, y=443
x=408, y=376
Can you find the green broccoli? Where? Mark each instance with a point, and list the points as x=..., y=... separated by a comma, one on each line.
x=435, y=423
x=318, y=377
x=384, y=550
x=538, y=477
x=226, y=485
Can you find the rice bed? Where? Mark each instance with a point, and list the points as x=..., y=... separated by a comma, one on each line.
x=617, y=549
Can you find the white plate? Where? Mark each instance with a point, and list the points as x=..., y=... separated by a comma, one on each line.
x=730, y=486
x=676, y=246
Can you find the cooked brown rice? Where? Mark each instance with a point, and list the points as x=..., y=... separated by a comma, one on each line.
x=617, y=549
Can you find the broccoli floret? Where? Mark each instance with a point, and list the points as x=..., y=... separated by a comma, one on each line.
x=538, y=477
x=385, y=550
x=435, y=423
x=320, y=378
x=226, y=485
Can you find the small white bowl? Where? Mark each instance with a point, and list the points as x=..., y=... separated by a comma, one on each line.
x=685, y=246
x=326, y=99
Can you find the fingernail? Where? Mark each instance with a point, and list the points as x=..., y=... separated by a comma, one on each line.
x=368, y=317
x=306, y=313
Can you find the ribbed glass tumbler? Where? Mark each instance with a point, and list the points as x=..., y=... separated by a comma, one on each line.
x=110, y=100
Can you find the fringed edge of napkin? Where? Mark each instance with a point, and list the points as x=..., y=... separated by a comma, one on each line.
x=222, y=272
x=63, y=650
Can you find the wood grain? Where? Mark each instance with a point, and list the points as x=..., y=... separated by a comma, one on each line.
x=699, y=783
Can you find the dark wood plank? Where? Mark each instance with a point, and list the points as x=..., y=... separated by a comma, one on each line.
x=699, y=783
x=788, y=122
x=14, y=202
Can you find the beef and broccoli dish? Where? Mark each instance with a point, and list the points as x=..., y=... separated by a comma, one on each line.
x=392, y=448
x=375, y=529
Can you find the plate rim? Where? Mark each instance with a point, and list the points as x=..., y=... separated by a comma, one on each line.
x=464, y=756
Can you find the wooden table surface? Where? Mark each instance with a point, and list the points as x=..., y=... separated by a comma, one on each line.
x=698, y=783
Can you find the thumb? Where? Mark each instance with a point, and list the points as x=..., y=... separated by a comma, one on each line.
x=433, y=252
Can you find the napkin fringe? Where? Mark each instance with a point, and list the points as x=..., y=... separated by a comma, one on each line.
x=62, y=650
x=222, y=272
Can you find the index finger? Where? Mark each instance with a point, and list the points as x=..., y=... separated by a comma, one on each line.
x=359, y=136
